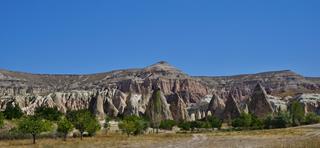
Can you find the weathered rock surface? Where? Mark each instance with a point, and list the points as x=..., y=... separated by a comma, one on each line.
x=232, y=109
x=128, y=92
x=310, y=102
x=158, y=108
x=216, y=106
x=259, y=104
x=178, y=108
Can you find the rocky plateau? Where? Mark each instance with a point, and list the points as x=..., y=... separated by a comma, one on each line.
x=183, y=97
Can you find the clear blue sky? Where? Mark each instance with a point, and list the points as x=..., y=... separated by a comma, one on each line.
x=201, y=37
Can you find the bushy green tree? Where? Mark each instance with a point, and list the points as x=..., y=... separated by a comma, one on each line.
x=13, y=112
x=84, y=121
x=64, y=127
x=34, y=126
x=184, y=125
x=52, y=114
x=280, y=120
x=243, y=121
x=133, y=125
x=256, y=123
x=297, y=113
x=312, y=118
x=214, y=122
x=167, y=124
x=1, y=119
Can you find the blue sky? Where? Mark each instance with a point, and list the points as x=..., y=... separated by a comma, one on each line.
x=202, y=37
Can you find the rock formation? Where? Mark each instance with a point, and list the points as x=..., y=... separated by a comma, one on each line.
x=216, y=106
x=157, y=108
x=259, y=104
x=232, y=109
x=178, y=108
x=128, y=92
x=310, y=102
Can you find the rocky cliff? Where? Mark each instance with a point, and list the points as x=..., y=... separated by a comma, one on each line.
x=127, y=92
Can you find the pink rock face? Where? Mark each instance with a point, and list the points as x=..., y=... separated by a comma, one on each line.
x=216, y=106
x=232, y=109
x=259, y=104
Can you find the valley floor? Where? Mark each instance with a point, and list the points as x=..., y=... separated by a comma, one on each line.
x=304, y=136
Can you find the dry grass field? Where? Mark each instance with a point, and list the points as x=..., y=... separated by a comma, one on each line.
x=298, y=137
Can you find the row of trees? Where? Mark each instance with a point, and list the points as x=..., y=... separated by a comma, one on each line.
x=44, y=118
x=293, y=117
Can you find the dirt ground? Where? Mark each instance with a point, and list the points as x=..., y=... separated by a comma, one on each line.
x=305, y=136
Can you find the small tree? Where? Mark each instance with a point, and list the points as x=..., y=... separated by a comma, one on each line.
x=1, y=119
x=214, y=122
x=297, y=113
x=244, y=121
x=52, y=114
x=312, y=118
x=133, y=125
x=167, y=124
x=34, y=126
x=64, y=127
x=13, y=112
x=83, y=120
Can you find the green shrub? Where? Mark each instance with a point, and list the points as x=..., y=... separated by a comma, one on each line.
x=214, y=122
x=1, y=119
x=106, y=125
x=244, y=121
x=52, y=114
x=34, y=126
x=84, y=121
x=184, y=125
x=133, y=125
x=312, y=118
x=167, y=124
x=280, y=120
x=256, y=123
x=13, y=112
x=297, y=113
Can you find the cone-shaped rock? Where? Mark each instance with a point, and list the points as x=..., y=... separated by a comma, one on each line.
x=178, y=108
x=259, y=104
x=232, y=109
x=216, y=106
x=158, y=108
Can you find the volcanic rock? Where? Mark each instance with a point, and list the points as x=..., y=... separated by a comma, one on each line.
x=231, y=110
x=259, y=104
x=216, y=106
